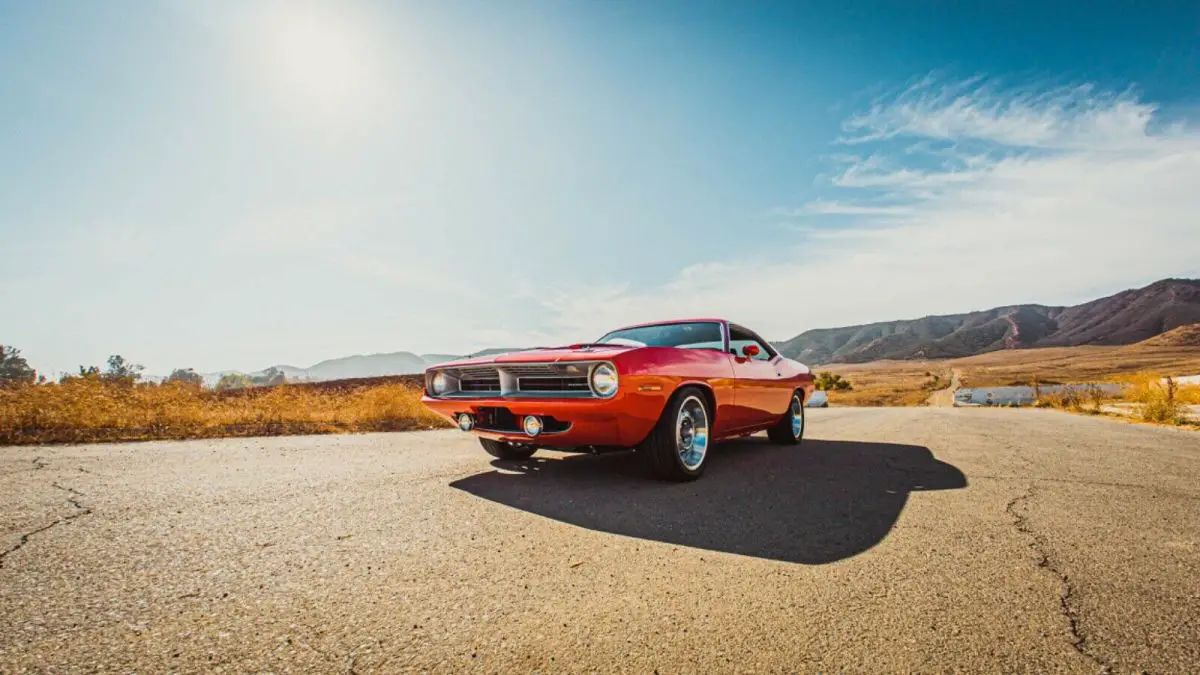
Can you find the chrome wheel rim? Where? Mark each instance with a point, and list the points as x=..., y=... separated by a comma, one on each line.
x=691, y=433
x=797, y=417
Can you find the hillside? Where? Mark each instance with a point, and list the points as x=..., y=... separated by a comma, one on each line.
x=1183, y=336
x=1124, y=318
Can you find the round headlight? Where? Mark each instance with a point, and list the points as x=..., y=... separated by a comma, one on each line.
x=532, y=425
x=604, y=380
x=437, y=384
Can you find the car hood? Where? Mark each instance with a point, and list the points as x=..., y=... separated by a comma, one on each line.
x=544, y=355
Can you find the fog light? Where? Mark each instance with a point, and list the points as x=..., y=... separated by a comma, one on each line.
x=465, y=422
x=533, y=425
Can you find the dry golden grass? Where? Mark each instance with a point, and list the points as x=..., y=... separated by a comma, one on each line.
x=1082, y=398
x=87, y=410
x=1146, y=398
x=1181, y=336
x=888, y=383
x=1159, y=401
x=899, y=383
x=1073, y=364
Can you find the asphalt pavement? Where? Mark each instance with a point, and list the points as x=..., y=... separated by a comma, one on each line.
x=918, y=539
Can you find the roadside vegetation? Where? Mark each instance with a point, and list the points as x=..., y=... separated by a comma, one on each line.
x=1163, y=401
x=903, y=383
x=114, y=405
x=1146, y=397
x=831, y=382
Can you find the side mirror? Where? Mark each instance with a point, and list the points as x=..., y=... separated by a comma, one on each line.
x=750, y=351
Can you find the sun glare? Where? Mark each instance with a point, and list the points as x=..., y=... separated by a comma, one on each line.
x=320, y=58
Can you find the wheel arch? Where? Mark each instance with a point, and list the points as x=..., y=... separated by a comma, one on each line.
x=710, y=397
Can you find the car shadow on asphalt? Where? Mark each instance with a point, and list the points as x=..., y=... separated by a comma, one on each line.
x=818, y=503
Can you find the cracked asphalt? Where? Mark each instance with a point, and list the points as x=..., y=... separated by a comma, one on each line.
x=926, y=539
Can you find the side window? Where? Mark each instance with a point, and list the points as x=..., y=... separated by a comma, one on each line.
x=740, y=337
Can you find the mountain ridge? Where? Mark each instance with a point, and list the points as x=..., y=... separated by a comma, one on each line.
x=1126, y=317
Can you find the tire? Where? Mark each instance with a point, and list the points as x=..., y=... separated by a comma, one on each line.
x=504, y=450
x=677, y=450
x=786, y=431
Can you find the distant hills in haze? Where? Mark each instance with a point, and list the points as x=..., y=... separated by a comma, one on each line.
x=1123, y=318
x=350, y=367
x=1161, y=314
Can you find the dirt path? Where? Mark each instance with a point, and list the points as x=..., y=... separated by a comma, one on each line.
x=944, y=398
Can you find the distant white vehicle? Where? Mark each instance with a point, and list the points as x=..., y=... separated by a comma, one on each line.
x=819, y=399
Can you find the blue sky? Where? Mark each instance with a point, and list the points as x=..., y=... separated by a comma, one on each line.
x=238, y=184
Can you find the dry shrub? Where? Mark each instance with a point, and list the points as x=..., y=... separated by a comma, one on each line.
x=1161, y=401
x=1188, y=394
x=89, y=409
x=1076, y=397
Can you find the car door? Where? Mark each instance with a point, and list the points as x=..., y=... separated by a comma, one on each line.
x=761, y=392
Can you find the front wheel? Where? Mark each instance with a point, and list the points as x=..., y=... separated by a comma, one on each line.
x=789, y=430
x=678, y=446
x=506, y=450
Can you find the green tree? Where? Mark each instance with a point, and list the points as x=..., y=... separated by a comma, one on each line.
x=120, y=370
x=85, y=373
x=832, y=382
x=186, y=376
x=233, y=381
x=14, y=367
x=270, y=377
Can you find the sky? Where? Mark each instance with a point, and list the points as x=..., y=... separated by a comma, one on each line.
x=236, y=184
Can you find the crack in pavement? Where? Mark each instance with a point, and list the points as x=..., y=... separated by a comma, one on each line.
x=80, y=511
x=73, y=491
x=39, y=463
x=1066, y=589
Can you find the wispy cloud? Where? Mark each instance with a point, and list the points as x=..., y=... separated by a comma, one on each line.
x=996, y=195
x=1025, y=116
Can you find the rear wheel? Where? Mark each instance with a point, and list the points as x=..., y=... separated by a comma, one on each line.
x=789, y=430
x=677, y=448
x=506, y=450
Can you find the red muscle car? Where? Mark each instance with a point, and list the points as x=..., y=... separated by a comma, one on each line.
x=668, y=389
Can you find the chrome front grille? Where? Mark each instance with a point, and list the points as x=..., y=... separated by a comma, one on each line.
x=550, y=383
x=529, y=379
x=551, y=377
x=478, y=380
x=482, y=384
x=547, y=369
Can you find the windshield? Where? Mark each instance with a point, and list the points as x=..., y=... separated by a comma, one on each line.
x=698, y=335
